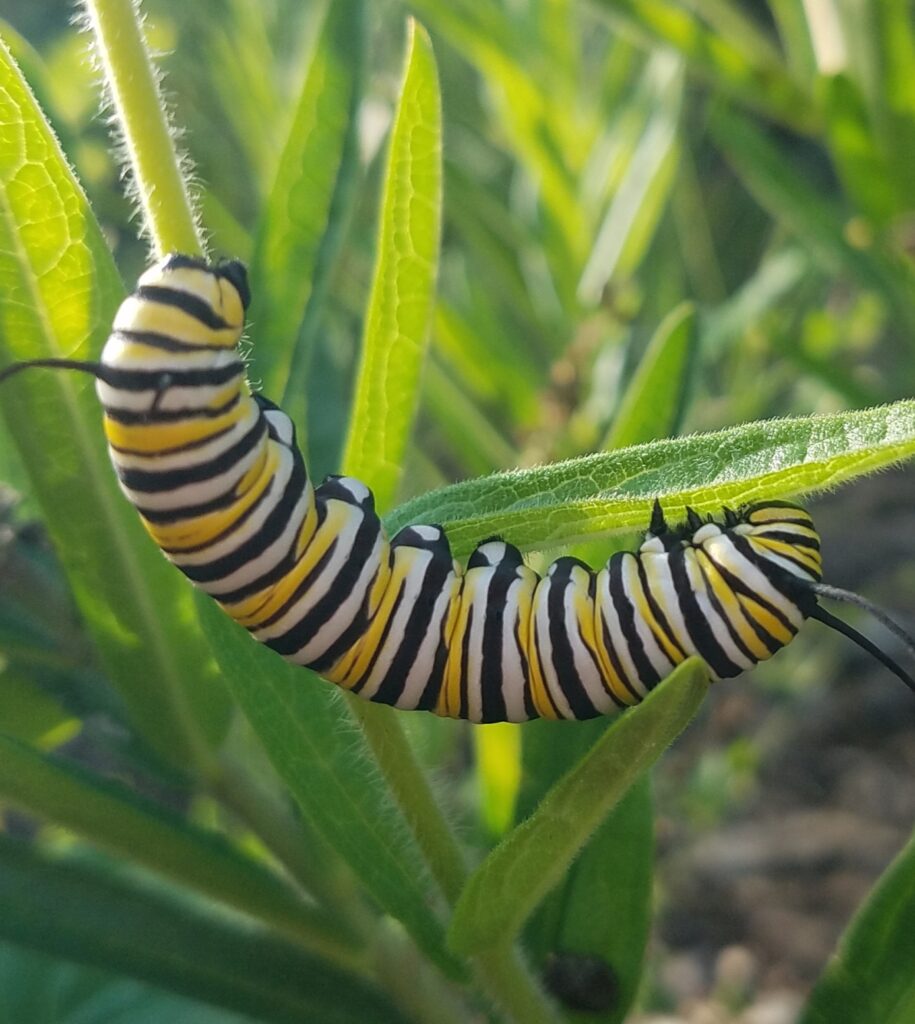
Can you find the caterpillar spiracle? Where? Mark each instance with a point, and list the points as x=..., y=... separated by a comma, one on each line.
x=217, y=478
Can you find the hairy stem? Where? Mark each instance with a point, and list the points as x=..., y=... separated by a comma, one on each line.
x=167, y=210
x=501, y=972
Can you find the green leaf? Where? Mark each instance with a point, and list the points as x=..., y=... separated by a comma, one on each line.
x=871, y=977
x=69, y=909
x=58, y=293
x=655, y=397
x=569, y=501
x=746, y=73
x=603, y=907
x=854, y=149
x=290, y=266
x=515, y=877
x=44, y=990
x=641, y=197
x=400, y=305
x=814, y=218
x=29, y=713
x=122, y=822
x=324, y=760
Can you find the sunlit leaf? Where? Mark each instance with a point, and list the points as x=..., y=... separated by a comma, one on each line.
x=513, y=879
x=400, y=305
x=567, y=501
x=59, y=292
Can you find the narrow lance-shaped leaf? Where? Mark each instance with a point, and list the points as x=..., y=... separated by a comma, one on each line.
x=817, y=221
x=298, y=211
x=122, y=822
x=324, y=760
x=568, y=501
x=641, y=197
x=653, y=402
x=746, y=73
x=400, y=305
x=603, y=907
x=69, y=909
x=59, y=290
x=871, y=977
x=509, y=884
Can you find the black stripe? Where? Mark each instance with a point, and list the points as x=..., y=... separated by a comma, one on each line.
x=279, y=570
x=428, y=699
x=492, y=671
x=700, y=632
x=563, y=660
x=189, y=446
x=530, y=708
x=162, y=481
x=162, y=380
x=149, y=417
x=722, y=614
x=270, y=531
x=780, y=578
x=340, y=590
x=625, y=613
x=464, y=686
x=617, y=665
x=742, y=588
x=190, y=304
x=350, y=636
x=417, y=627
x=234, y=525
x=786, y=536
x=168, y=516
x=166, y=342
x=660, y=617
x=385, y=632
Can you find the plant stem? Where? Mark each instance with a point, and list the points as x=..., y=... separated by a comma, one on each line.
x=284, y=838
x=411, y=788
x=167, y=210
x=508, y=981
x=501, y=971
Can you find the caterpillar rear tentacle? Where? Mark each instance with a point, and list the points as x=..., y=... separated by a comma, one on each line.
x=217, y=478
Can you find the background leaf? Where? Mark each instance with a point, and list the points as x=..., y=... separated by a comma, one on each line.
x=507, y=886
x=871, y=974
x=61, y=290
x=400, y=305
x=558, y=504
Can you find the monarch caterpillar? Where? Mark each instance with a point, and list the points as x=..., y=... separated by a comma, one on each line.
x=217, y=478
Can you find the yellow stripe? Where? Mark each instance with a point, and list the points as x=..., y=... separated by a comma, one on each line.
x=771, y=514
x=161, y=318
x=448, y=632
x=644, y=608
x=350, y=669
x=611, y=677
x=539, y=693
x=808, y=556
x=261, y=606
x=525, y=598
x=202, y=530
x=154, y=439
x=732, y=608
x=449, y=696
x=767, y=620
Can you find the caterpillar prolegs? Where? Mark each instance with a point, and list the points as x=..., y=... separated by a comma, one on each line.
x=217, y=478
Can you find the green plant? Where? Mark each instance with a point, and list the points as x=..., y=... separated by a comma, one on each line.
x=339, y=910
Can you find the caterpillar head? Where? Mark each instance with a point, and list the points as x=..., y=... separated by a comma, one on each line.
x=200, y=303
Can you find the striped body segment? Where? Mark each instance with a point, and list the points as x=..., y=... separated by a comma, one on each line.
x=216, y=475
